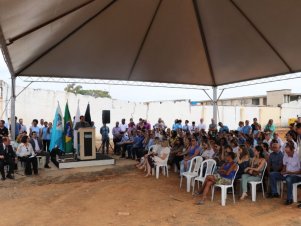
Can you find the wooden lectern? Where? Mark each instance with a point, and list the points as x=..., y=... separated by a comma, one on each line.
x=86, y=143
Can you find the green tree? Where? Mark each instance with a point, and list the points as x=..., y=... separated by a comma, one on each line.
x=72, y=88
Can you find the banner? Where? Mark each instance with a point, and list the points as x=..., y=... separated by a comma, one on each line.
x=57, y=130
x=76, y=119
x=68, y=131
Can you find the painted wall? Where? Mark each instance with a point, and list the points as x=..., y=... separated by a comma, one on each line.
x=33, y=103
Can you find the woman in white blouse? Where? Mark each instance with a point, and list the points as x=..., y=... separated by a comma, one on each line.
x=26, y=154
x=161, y=157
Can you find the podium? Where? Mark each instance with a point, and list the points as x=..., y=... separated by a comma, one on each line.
x=86, y=143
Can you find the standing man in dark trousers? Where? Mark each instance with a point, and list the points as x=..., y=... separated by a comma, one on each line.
x=10, y=157
x=104, y=131
x=116, y=137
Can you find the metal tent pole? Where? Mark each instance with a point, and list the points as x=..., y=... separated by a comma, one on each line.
x=214, y=100
x=12, y=109
x=13, y=82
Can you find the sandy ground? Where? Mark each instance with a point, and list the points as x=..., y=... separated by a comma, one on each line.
x=120, y=195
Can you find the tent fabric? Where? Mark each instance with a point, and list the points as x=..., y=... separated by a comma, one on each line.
x=201, y=42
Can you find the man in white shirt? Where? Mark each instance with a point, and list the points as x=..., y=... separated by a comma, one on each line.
x=41, y=126
x=291, y=170
x=123, y=126
x=193, y=128
x=202, y=125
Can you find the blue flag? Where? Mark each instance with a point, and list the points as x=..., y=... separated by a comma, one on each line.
x=57, y=130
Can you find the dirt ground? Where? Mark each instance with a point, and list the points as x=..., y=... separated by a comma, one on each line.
x=120, y=195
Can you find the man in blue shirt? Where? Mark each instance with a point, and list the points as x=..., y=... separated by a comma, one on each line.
x=223, y=128
x=247, y=129
x=275, y=165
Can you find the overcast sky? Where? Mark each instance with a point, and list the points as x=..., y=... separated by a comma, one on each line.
x=154, y=94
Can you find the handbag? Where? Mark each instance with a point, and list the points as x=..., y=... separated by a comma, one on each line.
x=254, y=173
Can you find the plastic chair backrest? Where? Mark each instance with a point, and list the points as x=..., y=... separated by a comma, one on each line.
x=233, y=179
x=195, y=164
x=210, y=166
x=263, y=171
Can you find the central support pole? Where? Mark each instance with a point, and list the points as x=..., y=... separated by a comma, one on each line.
x=12, y=108
x=214, y=102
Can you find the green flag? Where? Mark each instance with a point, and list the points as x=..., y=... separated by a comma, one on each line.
x=68, y=131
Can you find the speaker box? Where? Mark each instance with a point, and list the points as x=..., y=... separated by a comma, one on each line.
x=106, y=118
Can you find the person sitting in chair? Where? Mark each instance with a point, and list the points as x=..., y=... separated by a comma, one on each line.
x=224, y=177
x=10, y=157
x=26, y=154
x=37, y=146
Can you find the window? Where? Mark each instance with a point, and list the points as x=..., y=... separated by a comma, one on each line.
x=286, y=98
x=255, y=101
x=293, y=98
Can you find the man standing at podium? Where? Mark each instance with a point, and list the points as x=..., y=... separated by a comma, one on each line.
x=104, y=131
x=82, y=123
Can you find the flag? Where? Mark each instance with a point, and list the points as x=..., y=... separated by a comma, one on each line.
x=76, y=119
x=68, y=134
x=87, y=115
x=57, y=130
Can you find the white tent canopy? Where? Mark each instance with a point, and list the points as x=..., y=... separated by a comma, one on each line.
x=201, y=42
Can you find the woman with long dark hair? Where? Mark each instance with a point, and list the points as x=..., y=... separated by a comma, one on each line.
x=254, y=172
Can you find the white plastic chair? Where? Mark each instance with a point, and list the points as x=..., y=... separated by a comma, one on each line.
x=164, y=165
x=255, y=183
x=209, y=164
x=295, y=190
x=224, y=189
x=193, y=171
x=41, y=161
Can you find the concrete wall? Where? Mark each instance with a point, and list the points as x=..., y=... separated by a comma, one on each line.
x=290, y=110
x=33, y=103
x=276, y=97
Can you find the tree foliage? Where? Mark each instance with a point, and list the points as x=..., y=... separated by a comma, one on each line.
x=72, y=88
